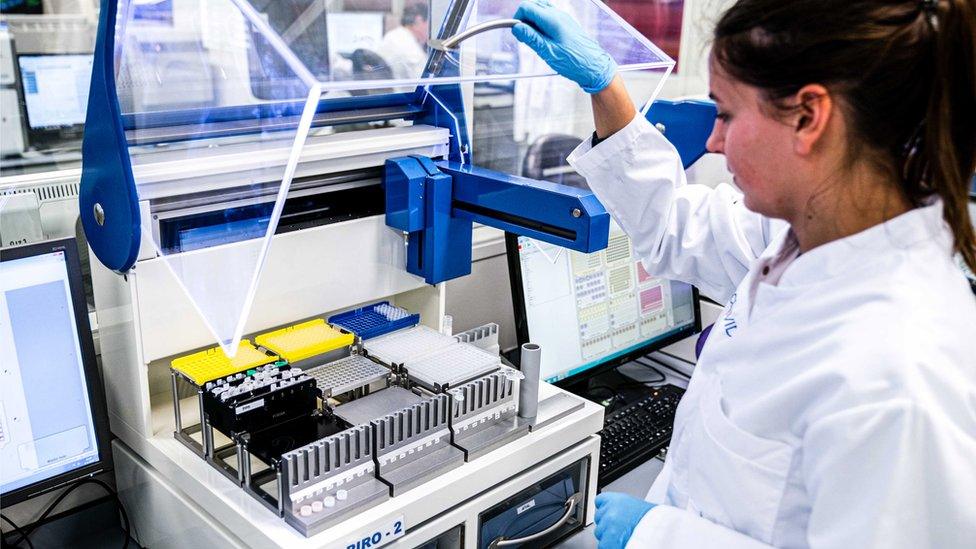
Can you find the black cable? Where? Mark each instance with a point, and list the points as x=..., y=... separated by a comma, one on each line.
x=18, y=530
x=111, y=492
x=672, y=368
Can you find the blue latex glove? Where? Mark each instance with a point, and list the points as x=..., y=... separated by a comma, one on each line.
x=560, y=41
x=616, y=517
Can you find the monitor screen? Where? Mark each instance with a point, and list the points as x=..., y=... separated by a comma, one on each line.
x=51, y=427
x=588, y=311
x=55, y=89
x=351, y=31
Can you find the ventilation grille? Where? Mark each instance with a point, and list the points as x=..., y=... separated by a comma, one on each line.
x=46, y=193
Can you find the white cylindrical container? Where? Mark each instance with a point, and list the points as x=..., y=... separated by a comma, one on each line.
x=529, y=387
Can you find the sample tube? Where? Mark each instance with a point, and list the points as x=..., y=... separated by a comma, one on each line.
x=529, y=388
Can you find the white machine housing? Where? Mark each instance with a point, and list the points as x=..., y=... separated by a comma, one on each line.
x=146, y=319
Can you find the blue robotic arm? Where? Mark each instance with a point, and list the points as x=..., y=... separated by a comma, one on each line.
x=436, y=202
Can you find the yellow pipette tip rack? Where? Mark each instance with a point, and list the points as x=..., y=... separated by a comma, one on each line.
x=305, y=340
x=213, y=363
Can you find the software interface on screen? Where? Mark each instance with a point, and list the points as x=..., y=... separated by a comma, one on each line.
x=46, y=423
x=586, y=309
x=55, y=89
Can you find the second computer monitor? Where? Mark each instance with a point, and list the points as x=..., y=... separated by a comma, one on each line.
x=591, y=312
x=55, y=94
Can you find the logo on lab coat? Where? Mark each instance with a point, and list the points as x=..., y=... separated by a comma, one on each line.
x=728, y=323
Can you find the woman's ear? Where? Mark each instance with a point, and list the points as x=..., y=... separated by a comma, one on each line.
x=814, y=108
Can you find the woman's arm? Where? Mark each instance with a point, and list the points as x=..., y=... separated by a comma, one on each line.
x=682, y=232
x=612, y=108
x=692, y=233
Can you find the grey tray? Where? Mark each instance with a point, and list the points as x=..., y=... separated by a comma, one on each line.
x=376, y=405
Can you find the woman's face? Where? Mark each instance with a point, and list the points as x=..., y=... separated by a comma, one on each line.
x=758, y=148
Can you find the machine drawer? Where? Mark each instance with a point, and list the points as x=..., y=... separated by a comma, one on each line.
x=539, y=515
x=539, y=507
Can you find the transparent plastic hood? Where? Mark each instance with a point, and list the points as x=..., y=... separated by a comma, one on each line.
x=402, y=55
x=272, y=66
x=279, y=49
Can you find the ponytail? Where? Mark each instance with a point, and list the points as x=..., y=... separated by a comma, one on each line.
x=949, y=145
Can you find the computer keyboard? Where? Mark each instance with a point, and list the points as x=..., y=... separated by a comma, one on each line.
x=636, y=433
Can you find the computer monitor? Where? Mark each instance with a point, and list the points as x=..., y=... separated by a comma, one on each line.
x=350, y=31
x=53, y=423
x=55, y=95
x=594, y=312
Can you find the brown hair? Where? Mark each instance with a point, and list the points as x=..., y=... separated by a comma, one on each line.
x=905, y=72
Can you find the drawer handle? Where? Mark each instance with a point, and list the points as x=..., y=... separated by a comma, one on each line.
x=570, y=510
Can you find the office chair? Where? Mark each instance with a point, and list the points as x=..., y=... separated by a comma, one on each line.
x=545, y=159
x=369, y=65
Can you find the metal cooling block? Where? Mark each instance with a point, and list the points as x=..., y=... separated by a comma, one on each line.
x=484, y=337
x=374, y=405
x=413, y=445
x=484, y=414
x=334, y=477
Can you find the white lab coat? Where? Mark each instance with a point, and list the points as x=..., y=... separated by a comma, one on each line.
x=836, y=408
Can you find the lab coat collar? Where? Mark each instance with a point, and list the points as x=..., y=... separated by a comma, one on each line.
x=922, y=226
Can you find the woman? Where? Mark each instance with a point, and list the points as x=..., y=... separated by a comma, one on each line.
x=834, y=404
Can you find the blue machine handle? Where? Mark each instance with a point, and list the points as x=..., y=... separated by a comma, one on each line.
x=108, y=201
x=686, y=124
